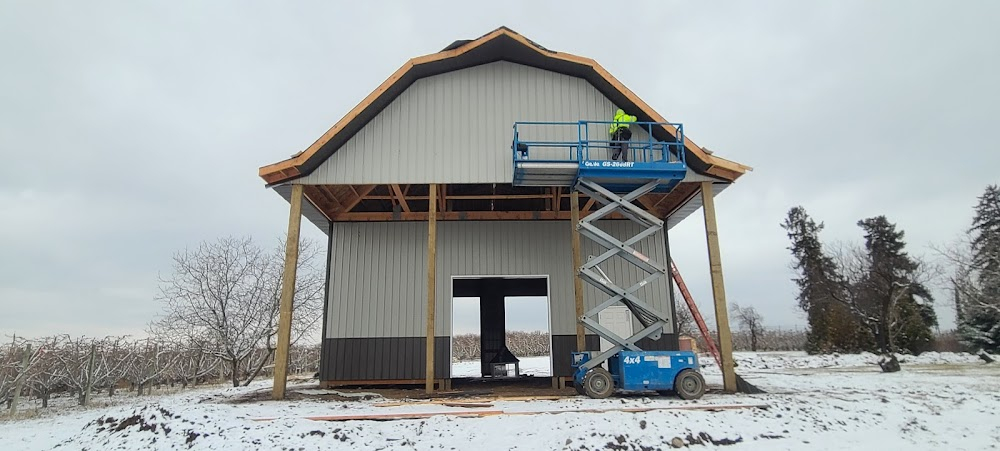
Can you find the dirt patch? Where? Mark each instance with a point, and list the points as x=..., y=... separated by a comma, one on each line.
x=461, y=388
x=264, y=394
x=146, y=424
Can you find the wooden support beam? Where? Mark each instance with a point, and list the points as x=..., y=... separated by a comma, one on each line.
x=442, y=202
x=556, y=199
x=314, y=195
x=574, y=208
x=644, y=201
x=590, y=203
x=287, y=292
x=325, y=190
x=663, y=197
x=383, y=216
x=400, y=197
x=360, y=196
x=718, y=288
x=470, y=197
x=373, y=382
x=431, y=279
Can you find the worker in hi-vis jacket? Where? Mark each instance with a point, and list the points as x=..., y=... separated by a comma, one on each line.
x=620, y=134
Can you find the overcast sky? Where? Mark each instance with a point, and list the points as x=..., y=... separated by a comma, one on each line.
x=129, y=130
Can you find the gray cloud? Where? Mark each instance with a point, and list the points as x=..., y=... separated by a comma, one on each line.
x=130, y=130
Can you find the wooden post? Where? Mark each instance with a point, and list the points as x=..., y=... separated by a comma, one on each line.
x=21, y=376
x=90, y=374
x=574, y=205
x=287, y=294
x=431, y=285
x=718, y=288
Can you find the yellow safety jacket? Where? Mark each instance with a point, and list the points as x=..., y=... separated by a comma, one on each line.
x=620, y=117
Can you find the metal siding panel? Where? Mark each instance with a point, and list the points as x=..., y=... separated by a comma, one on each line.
x=507, y=248
x=380, y=272
x=456, y=127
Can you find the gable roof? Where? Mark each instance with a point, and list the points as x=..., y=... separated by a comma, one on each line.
x=502, y=44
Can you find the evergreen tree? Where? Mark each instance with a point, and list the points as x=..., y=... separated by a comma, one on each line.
x=832, y=328
x=888, y=298
x=915, y=318
x=979, y=302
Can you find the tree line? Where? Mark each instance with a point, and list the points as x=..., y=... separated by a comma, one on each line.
x=875, y=296
x=218, y=320
x=520, y=343
x=85, y=367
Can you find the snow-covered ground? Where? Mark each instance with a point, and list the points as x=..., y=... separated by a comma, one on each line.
x=938, y=401
x=532, y=366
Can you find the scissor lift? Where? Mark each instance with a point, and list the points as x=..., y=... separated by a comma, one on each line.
x=653, y=166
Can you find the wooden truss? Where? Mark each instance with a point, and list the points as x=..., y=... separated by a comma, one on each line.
x=472, y=202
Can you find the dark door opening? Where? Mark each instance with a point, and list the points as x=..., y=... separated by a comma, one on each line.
x=504, y=302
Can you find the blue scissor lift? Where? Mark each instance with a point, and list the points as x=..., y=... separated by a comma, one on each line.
x=562, y=154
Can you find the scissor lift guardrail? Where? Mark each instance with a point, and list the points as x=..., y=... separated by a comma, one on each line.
x=560, y=153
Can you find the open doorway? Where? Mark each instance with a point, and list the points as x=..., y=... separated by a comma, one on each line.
x=501, y=327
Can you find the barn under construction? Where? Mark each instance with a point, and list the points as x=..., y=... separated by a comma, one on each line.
x=486, y=170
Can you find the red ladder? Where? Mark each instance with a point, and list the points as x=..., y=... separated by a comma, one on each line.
x=695, y=313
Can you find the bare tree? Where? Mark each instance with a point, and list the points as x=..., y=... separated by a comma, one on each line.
x=965, y=277
x=227, y=293
x=970, y=282
x=194, y=362
x=46, y=376
x=750, y=321
x=685, y=320
x=8, y=371
x=150, y=359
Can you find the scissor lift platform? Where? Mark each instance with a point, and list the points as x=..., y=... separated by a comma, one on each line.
x=554, y=158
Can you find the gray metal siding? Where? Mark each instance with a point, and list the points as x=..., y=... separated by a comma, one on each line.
x=378, y=280
x=456, y=127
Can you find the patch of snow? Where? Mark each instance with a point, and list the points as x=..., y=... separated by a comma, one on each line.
x=539, y=366
x=937, y=402
x=800, y=360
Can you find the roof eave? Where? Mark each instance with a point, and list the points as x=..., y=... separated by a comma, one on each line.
x=295, y=166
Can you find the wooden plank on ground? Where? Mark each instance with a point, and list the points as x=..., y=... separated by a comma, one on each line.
x=471, y=400
x=483, y=413
x=471, y=405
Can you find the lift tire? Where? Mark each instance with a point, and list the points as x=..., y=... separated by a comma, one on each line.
x=689, y=384
x=579, y=389
x=597, y=383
